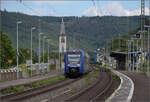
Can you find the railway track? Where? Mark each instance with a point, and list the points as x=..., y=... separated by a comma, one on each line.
x=96, y=91
x=36, y=91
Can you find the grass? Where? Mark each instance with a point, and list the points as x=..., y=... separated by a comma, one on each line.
x=47, y=81
x=98, y=67
x=115, y=76
x=1, y=81
x=90, y=76
x=73, y=91
x=14, y=89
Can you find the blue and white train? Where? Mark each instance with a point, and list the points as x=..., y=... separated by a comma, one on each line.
x=76, y=63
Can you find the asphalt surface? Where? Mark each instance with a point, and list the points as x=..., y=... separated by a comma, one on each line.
x=141, y=86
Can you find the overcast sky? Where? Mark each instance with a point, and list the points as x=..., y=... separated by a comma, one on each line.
x=76, y=8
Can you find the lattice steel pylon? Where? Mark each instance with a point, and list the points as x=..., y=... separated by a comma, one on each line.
x=142, y=19
x=142, y=28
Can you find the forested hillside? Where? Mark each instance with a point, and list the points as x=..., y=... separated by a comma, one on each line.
x=82, y=31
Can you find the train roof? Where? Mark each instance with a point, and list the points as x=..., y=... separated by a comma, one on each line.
x=77, y=52
x=74, y=51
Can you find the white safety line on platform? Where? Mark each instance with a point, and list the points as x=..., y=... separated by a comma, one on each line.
x=132, y=89
x=114, y=96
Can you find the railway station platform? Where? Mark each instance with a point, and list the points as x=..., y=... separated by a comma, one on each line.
x=141, y=86
x=134, y=87
x=122, y=60
x=7, y=84
x=124, y=92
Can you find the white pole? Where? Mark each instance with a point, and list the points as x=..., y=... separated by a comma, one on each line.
x=18, y=22
x=48, y=51
x=31, y=52
x=43, y=49
x=126, y=56
x=17, y=44
x=148, y=53
x=17, y=52
x=40, y=49
x=130, y=54
x=31, y=48
x=137, y=57
x=44, y=37
x=39, y=43
x=133, y=56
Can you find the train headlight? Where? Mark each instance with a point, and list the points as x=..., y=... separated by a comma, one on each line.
x=78, y=65
x=73, y=65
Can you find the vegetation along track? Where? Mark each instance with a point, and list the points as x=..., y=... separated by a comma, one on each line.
x=37, y=91
x=95, y=91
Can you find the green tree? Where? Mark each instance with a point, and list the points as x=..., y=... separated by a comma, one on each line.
x=24, y=54
x=7, y=51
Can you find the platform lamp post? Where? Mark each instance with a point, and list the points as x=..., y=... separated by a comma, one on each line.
x=148, y=46
x=129, y=54
x=32, y=28
x=48, y=50
x=18, y=22
x=137, y=37
x=133, y=54
x=40, y=48
x=44, y=37
x=128, y=58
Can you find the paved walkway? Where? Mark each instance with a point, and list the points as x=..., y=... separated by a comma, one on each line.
x=7, y=84
x=125, y=90
x=141, y=86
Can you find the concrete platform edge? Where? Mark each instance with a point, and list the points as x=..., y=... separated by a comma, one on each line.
x=114, y=93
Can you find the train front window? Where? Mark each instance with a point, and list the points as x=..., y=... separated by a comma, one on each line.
x=73, y=58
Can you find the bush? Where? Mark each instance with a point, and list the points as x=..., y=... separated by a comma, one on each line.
x=25, y=69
